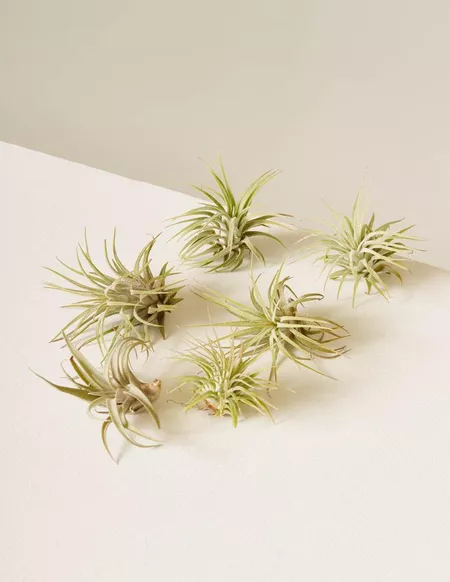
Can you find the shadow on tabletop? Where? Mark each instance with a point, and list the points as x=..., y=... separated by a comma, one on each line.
x=420, y=273
x=273, y=252
x=189, y=312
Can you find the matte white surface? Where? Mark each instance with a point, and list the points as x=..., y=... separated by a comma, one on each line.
x=350, y=484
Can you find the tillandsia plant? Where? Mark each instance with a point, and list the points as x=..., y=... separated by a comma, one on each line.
x=364, y=252
x=224, y=384
x=114, y=394
x=127, y=303
x=219, y=233
x=277, y=324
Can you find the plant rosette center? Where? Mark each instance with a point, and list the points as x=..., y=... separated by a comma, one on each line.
x=135, y=294
x=151, y=390
x=229, y=236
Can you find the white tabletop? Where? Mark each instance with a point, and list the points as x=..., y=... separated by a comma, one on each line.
x=351, y=483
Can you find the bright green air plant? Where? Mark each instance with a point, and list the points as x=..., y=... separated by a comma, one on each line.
x=114, y=394
x=219, y=233
x=127, y=303
x=224, y=383
x=279, y=325
x=364, y=252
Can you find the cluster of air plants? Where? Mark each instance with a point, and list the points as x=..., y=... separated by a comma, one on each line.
x=123, y=306
x=363, y=252
x=219, y=233
x=120, y=308
x=114, y=393
x=280, y=324
x=124, y=302
x=224, y=384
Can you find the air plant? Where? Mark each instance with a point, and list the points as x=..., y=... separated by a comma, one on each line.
x=361, y=251
x=278, y=325
x=224, y=383
x=114, y=394
x=127, y=303
x=219, y=233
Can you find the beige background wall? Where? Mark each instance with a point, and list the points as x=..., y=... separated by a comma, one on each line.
x=330, y=91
